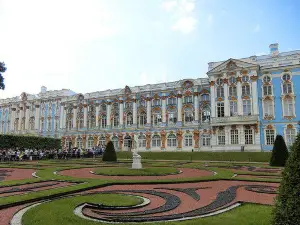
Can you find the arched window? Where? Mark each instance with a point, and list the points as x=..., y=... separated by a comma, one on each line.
x=267, y=79
x=205, y=114
x=129, y=119
x=245, y=78
x=288, y=107
x=79, y=143
x=188, y=140
x=287, y=88
x=172, y=117
x=267, y=90
x=171, y=101
x=246, y=89
x=205, y=140
x=103, y=121
x=220, y=92
x=188, y=99
x=90, y=142
x=69, y=123
x=205, y=97
x=286, y=77
x=115, y=142
x=103, y=107
x=232, y=91
x=91, y=121
x=102, y=141
x=31, y=123
x=42, y=125
x=142, y=119
x=172, y=141
x=156, y=141
x=219, y=81
x=116, y=120
x=188, y=115
x=268, y=108
x=142, y=141
x=232, y=80
x=142, y=103
x=221, y=137
x=49, y=124
x=80, y=122
x=156, y=102
x=156, y=118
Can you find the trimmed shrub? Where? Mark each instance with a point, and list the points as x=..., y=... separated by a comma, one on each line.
x=287, y=210
x=109, y=154
x=280, y=152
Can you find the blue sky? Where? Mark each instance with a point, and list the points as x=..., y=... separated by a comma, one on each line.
x=92, y=45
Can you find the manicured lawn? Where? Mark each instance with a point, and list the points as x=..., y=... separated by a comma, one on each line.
x=124, y=171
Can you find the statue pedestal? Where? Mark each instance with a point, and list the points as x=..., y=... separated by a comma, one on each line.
x=136, y=162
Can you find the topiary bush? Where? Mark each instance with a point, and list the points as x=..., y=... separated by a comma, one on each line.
x=109, y=154
x=287, y=210
x=280, y=152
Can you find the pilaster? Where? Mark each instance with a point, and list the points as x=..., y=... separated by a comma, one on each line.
x=74, y=116
x=212, y=99
x=37, y=117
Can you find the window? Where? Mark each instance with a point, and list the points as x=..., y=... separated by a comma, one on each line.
x=127, y=142
x=116, y=120
x=205, y=114
x=115, y=106
x=267, y=90
x=220, y=92
x=188, y=140
x=16, y=124
x=286, y=77
x=103, y=121
x=287, y=88
x=142, y=141
x=143, y=119
x=115, y=142
x=156, y=119
x=290, y=136
x=156, y=141
x=205, y=140
x=69, y=123
x=172, y=119
x=288, y=107
x=90, y=142
x=270, y=137
x=188, y=99
x=142, y=103
x=49, y=127
x=221, y=137
x=247, y=107
x=188, y=116
x=232, y=91
x=129, y=119
x=172, y=141
x=219, y=81
x=171, y=101
x=245, y=78
x=156, y=102
x=80, y=122
x=267, y=79
x=248, y=136
x=79, y=143
x=128, y=105
x=205, y=97
x=31, y=123
x=102, y=141
x=268, y=107
x=246, y=90
x=220, y=109
x=232, y=80
x=233, y=108
x=234, y=136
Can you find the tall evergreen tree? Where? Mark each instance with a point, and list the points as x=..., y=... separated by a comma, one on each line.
x=280, y=152
x=287, y=210
x=109, y=154
x=2, y=70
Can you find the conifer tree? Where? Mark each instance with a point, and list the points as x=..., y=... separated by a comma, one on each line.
x=109, y=154
x=280, y=152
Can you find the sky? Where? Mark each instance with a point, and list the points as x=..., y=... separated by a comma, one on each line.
x=95, y=45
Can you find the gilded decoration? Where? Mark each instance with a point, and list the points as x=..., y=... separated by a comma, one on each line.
x=231, y=65
x=148, y=99
x=290, y=126
x=148, y=139
x=289, y=117
x=225, y=81
x=156, y=96
x=268, y=97
x=204, y=91
x=286, y=70
x=156, y=109
x=233, y=98
x=127, y=90
x=238, y=79
x=179, y=138
x=254, y=78
x=246, y=97
x=187, y=84
x=256, y=128
x=196, y=138
x=95, y=140
x=212, y=83
x=244, y=72
x=268, y=118
x=172, y=95
x=196, y=93
x=120, y=137
x=269, y=127
x=164, y=97
x=84, y=140
x=163, y=138
x=220, y=99
x=179, y=95
x=73, y=138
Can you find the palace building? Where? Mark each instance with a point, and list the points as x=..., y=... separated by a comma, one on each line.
x=241, y=106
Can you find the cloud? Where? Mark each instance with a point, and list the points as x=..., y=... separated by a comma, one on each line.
x=257, y=28
x=182, y=14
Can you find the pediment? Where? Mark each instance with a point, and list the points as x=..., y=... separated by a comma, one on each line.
x=232, y=65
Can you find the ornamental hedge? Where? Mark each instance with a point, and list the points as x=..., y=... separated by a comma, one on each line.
x=109, y=154
x=280, y=152
x=30, y=142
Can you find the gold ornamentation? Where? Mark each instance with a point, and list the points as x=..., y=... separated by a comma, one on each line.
x=270, y=127
x=290, y=126
x=179, y=138
x=196, y=138
x=148, y=139
x=163, y=138
x=254, y=78
x=212, y=83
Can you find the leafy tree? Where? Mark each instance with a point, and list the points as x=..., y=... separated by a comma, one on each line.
x=109, y=154
x=280, y=152
x=2, y=70
x=287, y=210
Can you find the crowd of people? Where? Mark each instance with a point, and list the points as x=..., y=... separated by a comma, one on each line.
x=20, y=154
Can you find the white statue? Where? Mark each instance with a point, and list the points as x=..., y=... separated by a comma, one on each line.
x=136, y=160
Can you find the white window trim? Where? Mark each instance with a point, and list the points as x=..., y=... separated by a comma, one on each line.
x=285, y=133
x=294, y=108
x=263, y=108
x=265, y=135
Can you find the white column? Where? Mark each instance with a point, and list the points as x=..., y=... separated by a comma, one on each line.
x=74, y=116
x=148, y=111
x=179, y=108
x=62, y=116
x=97, y=115
x=134, y=114
x=13, y=117
x=121, y=112
x=27, y=118
x=242, y=138
x=212, y=99
x=226, y=102
x=37, y=117
x=108, y=112
x=239, y=99
x=21, y=116
x=164, y=109
x=196, y=105
x=254, y=95
x=85, y=112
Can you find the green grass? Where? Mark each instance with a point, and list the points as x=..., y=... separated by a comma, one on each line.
x=123, y=171
x=213, y=156
x=61, y=212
